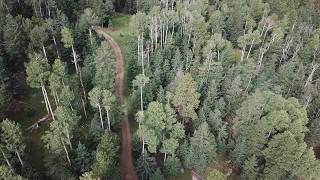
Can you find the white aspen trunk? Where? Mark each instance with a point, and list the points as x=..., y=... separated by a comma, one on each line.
x=242, y=53
x=189, y=38
x=90, y=34
x=100, y=112
x=143, y=144
x=67, y=153
x=44, y=51
x=109, y=126
x=71, y=106
x=165, y=157
x=40, y=9
x=166, y=35
x=54, y=97
x=83, y=99
x=218, y=55
x=248, y=55
x=161, y=40
x=19, y=157
x=7, y=160
x=49, y=11
x=156, y=34
x=57, y=97
x=172, y=33
x=49, y=105
x=69, y=140
x=141, y=99
x=151, y=32
x=45, y=99
x=142, y=55
x=75, y=61
x=83, y=106
x=139, y=48
x=307, y=102
x=55, y=45
x=310, y=77
x=148, y=55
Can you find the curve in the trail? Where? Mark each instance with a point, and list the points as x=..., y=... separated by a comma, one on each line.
x=127, y=169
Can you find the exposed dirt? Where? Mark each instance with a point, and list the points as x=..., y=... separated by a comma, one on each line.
x=127, y=169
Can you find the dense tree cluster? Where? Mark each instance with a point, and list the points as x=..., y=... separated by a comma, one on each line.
x=242, y=79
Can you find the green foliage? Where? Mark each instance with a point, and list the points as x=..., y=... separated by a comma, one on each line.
x=106, y=157
x=105, y=67
x=83, y=158
x=11, y=140
x=274, y=128
x=67, y=38
x=157, y=175
x=202, y=149
x=37, y=70
x=88, y=19
x=216, y=175
x=186, y=97
x=7, y=173
x=172, y=166
x=160, y=128
x=103, y=9
x=144, y=166
x=5, y=94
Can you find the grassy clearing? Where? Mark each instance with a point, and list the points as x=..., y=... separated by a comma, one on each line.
x=120, y=32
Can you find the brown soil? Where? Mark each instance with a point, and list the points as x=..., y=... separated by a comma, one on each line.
x=127, y=169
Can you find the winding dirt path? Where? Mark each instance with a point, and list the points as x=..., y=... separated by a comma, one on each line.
x=127, y=169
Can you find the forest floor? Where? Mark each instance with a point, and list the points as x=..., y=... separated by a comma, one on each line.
x=127, y=169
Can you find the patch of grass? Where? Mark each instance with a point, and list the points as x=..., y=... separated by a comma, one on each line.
x=119, y=31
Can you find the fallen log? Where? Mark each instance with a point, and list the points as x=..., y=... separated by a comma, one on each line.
x=40, y=122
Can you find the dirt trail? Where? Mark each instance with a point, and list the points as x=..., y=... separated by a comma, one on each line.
x=127, y=169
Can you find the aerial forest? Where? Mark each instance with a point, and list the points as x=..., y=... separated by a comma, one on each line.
x=159, y=89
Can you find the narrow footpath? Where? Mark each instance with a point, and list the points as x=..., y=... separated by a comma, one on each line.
x=127, y=169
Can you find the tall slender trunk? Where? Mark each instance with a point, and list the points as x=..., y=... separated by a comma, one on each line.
x=45, y=100
x=49, y=105
x=142, y=55
x=310, y=77
x=90, y=34
x=83, y=99
x=109, y=126
x=143, y=144
x=141, y=99
x=44, y=51
x=148, y=56
x=100, y=113
x=19, y=157
x=156, y=34
x=248, y=55
x=7, y=160
x=83, y=107
x=172, y=33
x=75, y=61
x=139, y=48
x=242, y=52
x=165, y=157
x=67, y=153
x=54, y=97
x=55, y=45
x=68, y=137
x=167, y=29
